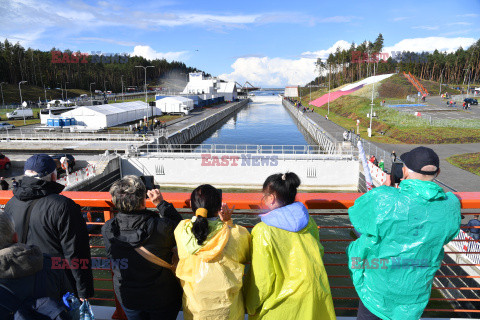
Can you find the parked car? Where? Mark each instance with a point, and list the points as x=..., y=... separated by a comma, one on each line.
x=5, y=162
x=70, y=161
x=471, y=101
x=6, y=126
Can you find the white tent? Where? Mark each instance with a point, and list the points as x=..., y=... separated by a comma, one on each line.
x=291, y=91
x=109, y=115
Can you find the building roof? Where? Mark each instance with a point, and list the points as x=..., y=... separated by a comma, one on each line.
x=226, y=87
x=177, y=98
x=107, y=109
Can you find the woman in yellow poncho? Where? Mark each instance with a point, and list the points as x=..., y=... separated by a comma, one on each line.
x=287, y=279
x=212, y=255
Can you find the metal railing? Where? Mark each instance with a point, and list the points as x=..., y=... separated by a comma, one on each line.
x=329, y=209
x=238, y=148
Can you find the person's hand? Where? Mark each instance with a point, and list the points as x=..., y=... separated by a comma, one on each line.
x=155, y=196
x=226, y=213
x=388, y=181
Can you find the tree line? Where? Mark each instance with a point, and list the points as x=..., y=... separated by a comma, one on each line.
x=76, y=70
x=356, y=63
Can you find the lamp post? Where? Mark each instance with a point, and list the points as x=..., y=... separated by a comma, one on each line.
x=145, y=69
x=21, y=99
x=66, y=97
x=105, y=86
x=328, y=105
x=468, y=86
x=441, y=75
x=1, y=89
x=121, y=79
x=91, y=97
x=371, y=105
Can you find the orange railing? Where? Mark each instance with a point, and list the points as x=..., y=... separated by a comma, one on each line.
x=323, y=205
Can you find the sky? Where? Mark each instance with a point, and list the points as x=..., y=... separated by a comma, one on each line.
x=268, y=43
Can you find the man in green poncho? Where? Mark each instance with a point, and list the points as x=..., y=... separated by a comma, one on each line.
x=403, y=231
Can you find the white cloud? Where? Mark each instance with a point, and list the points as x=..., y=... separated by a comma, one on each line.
x=468, y=15
x=426, y=27
x=278, y=72
x=430, y=44
x=400, y=18
x=323, y=54
x=462, y=23
x=148, y=53
x=275, y=72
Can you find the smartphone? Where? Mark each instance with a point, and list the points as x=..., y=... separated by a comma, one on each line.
x=397, y=172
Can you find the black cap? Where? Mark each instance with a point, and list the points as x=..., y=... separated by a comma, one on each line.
x=420, y=157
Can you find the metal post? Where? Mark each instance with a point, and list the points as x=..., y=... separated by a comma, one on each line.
x=66, y=93
x=21, y=99
x=91, y=97
x=1, y=89
x=329, y=70
x=123, y=96
x=146, y=100
x=371, y=105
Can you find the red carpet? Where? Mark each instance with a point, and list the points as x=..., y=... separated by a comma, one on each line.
x=333, y=95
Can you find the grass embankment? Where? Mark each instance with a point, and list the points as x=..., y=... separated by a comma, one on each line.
x=397, y=127
x=467, y=161
x=398, y=87
x=11, y=94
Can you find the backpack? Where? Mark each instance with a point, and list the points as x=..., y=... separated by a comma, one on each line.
x=44, y=308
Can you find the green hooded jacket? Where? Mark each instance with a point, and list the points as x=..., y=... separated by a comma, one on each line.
x=403, y=231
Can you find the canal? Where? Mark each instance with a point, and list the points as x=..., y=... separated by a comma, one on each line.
x=259, y=123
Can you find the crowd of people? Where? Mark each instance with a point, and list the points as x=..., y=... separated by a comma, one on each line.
x=143, y=126
x=197, y=264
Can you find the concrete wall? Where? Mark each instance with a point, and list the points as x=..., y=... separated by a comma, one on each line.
x=187, y=134
x=317, y=172
x=102, y=181
x=324, y=140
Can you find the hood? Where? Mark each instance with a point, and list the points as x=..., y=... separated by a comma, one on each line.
x=31, y=188
x=130, y=229
x=293, y=217
x=19, y=260
x=217, y=238
x=427, y=190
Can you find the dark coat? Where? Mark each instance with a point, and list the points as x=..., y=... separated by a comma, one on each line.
x=143, y=285
x=56, y=226
x=4, y=184
x=26, y=272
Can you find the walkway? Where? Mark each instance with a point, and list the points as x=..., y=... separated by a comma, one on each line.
x=452, y=176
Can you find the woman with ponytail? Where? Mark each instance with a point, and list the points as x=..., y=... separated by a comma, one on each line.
x=287, y=279
x=212, y=252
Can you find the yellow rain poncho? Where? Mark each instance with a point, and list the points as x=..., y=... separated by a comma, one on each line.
x=212, y=274
x=287, y=279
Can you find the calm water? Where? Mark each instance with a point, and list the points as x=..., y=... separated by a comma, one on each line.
x=258, y=124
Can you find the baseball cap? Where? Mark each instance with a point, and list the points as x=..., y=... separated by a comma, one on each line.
x=41, y=163
x=420, y=157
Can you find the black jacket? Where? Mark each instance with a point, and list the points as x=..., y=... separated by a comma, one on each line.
x=29, y=274
x=140, y=284
x=56, y=226
x=4, y=184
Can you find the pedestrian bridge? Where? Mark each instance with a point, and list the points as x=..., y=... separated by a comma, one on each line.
x=456, y=287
